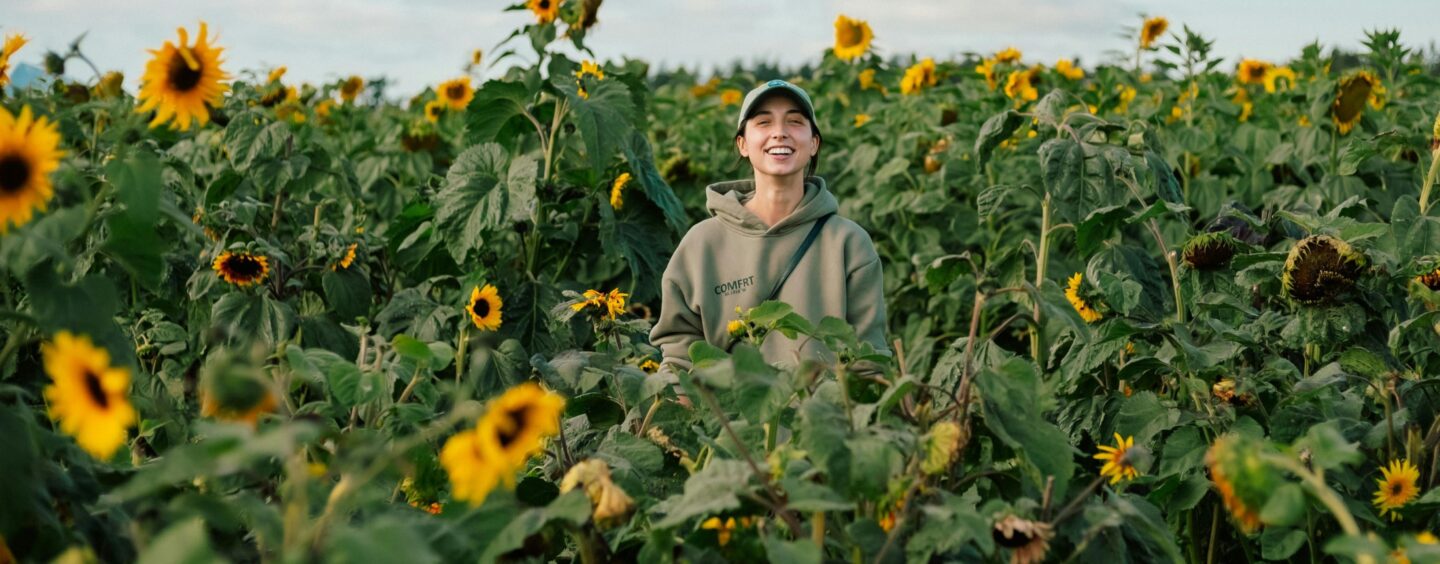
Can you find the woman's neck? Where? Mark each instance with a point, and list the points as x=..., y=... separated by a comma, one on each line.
x=776, y=197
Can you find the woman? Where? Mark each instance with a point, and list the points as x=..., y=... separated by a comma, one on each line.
x=736, y=258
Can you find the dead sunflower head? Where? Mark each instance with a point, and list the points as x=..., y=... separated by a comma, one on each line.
x=1350, y=99
x=1027, y=540
x=1244, y=480
x=1320, y=268
x=1209, y=251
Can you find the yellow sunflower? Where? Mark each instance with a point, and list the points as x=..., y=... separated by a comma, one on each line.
x=987, y=70
x=1009, y=55
x=1397, y=487
x=181, y=81
x=1118, y=466
x=1152, y=30
x=471, y=471
x=350, y=89
x=1279, y=79
x=616, y=201
x=1072, y=294
x=545, y=10
x=861, y=119
x=241, y=269
x=236, y=399
x=1251, y=71
x=322, y=110
x=484, y=308
x=1020, y=85
x=275, y=75
x=918, y=76
x=111, y=85
x=13, y=43
x=852, y=38
x=1069, y=70
x=730, y=97
x=589, y=67
x=867, y=79
x=735, y=328
x=591, y=298
x=346, y=260
x=649, y=366
x=457, y=93
x=615, y=303
x=517, y=423
x=724, y=529
x=433, y=110
x=29, y=152
x=87, y=396
x=1355, y=90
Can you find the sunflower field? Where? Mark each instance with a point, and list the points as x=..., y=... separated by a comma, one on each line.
x=1168, y=308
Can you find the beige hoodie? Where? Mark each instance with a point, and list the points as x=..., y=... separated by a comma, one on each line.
x=733, y=259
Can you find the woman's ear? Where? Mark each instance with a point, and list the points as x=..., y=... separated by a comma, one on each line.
x=740, y=146
x=815, y=141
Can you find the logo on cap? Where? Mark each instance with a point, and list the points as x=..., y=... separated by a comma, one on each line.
x=776, y=82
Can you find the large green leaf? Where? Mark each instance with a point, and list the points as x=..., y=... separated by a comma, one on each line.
x=605, y=118
x=714, y=489
x=484, y=190
x=1012, y=411
x=497, y=113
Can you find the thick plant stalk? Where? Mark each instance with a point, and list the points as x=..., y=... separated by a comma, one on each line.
x=1042, y=258
x=1429, y=181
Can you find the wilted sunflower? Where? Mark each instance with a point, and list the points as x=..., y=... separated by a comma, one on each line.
x=241, y=268
x=591, y=298
x=347, y=259
x=13, y=43
x=545, y=10
x=1068, y=69
x=457, y=93
x=1020, y=85
x=1152, y=30
x=1244, y=480
x=1350, y=100
x=235, y=398
x=1009, y=55
x=918, y=76
x=472, y=473
x=1430, y=280
x=730, y=97
x=1118, y=465
x=1028, y=541
x=1209, y=251
x=181, y=81
x=616, y=189
x=1072, y=295
x=1320, y=268
x=29, y=152
x=517, y=423
x=1252, y=71
x=615, y=303
x=852, y=38
x=350, y=89
x=610, y=503
x=87, y=396
x=484, y=308
x=1397, y=487
x=1279, y=79
x=942, y=444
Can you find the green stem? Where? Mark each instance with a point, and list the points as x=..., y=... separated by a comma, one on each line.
x=1429, y=181
x=1041, y=260
x=1323, y=493
x=460, y=354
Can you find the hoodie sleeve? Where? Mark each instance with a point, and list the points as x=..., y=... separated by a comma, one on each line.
x=677, y=327
x=865, y=294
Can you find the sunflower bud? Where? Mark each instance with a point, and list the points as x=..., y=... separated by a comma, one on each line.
x=941, y=447
x=1244, y=479
x=54, y=63
x=1320, y=268
x=611, y=503
x=1209, y=251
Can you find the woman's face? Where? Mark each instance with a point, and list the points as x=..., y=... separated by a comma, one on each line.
x=778, y=138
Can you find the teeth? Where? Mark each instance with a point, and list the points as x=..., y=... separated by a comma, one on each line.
x=781, y=151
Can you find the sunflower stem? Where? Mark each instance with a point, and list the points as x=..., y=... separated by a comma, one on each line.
x=460, y=354
x=1042, y=258
x=1429, y=182
x=1323, y=493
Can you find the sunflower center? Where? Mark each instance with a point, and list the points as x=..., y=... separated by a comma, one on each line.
x=849, y=36
x=96, y=391
x=244, y=267
x=183, y=78
x=455, y=92
x=543, y=4
x=517, y=419
x=1016, y=539
x=14, y=173
x=1397, y=488
x=481, y=308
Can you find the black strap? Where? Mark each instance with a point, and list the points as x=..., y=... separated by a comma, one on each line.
x=799, y=254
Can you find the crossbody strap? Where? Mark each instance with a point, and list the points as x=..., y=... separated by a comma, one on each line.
x=794, y=262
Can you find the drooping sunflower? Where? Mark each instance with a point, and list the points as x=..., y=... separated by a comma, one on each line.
x=545, y=10
x=1320, y=268
x=919, y=76
x=1397, y=487
x=111, y=85
x=13, y=43
x=484, y=308
x=471, y=471
x=610, y=503
x=617, y=200
x=1152, y=30
x=615, y=303
x=350, y=89
x=1028, y=541
x=234, y=397
x=942, y=443
x=1279, y=79
x=1068, y=69
x=29, y=152
x=1118, y=465
x=87, y=396
x=457, y=92
x=1350, y=100
x=852, y=38
x=1251, y=71
x=1209, y=251
x=517, y=423
x=182, y=81
x=347, y=259
x=1009, y=55
x=1020, y=85
x=1244, y=480
x=241, y=268
x=1072, y=295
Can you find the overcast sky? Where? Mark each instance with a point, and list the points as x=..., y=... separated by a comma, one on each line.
x=421, y=42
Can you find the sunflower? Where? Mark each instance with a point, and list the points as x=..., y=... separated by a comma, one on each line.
x=1209, y=251
x=918, y=76
x=545, y=10
x=1430, y=280
x=111, y=85
x=517, y=423
x=590, y=298
x=730, y=97
x=1224, y=390
x=235, y=398
x=1152, y=30
x=476, y=56
x=1251, y=71
x=1397, y=487
x=484, y=308
x=29, y=152
x=867, y=79
x=1009, y=55
x=350, y=89
x=433, y=109
x=87, y=396
x=615, y=303
x=1275, y=76
x=347, y=259
x=1028, y=541
x=589, y=67
x=241, y=269
x=1243, y=478
x=1350, y=100
x=276, y=74
x=611, y=504
x=322, y=110
x=941, y=446
x=471, y=471
x=181, y=81
x=13, y=43
x=649, y=366
x=457, y=93
x=1126, y=95
x=987, y=69
x=1320, y=268
x=616, y=189
x=861, y=119
x=707, y=88
x=1072, y=295
x=852, y=38
x=1118, y=465
x=1069, y=70
x=1020, y=85
x=736, y=327
x=724, y=529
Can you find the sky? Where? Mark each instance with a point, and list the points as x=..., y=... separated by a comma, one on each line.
x=423, y=42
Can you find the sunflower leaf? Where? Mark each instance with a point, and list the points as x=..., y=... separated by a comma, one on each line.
x=995, y=131
x=497, y=113
x=605, y=118
x=476, y=198
x=714, y=489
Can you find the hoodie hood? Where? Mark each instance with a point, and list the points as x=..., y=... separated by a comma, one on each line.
x=726, y=201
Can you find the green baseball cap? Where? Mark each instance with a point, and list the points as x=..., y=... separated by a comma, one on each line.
x=776, y=86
